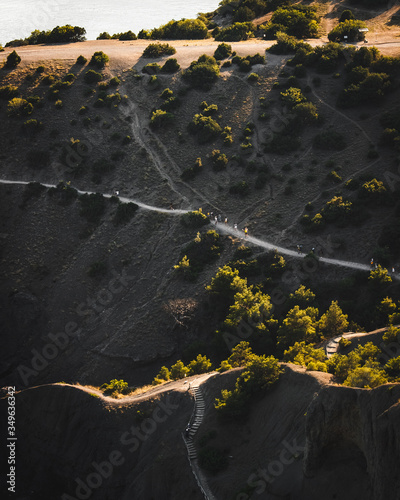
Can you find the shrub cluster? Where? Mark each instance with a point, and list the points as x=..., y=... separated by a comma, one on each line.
x=299, y=21
x=59, y=34
x=128, y=35
x=203, y=250
x=158, y=49
x=185, y=29
x=236, y=32
x=204, y=128
x=202, y=73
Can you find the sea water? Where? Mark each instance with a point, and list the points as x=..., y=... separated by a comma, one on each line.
x=18, y=18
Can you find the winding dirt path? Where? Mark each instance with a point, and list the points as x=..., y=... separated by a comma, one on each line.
x=225, y=229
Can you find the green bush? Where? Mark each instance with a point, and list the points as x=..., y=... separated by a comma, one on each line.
x=8, y=92
x=287, y=44
x=292, y=96
x=166, y=93
x=241, y=188
x=349, y=28
x=299, y=21
x=81, y=60
x=125, y=212
x=128, y=35
x=158, y=49
x=346, y=15
x=194, y=219
x=306, y=113
x=160, y=119
x=92, y=76
x=32, y=126
x=115, y=387
x=199, y=365
x=178, y=370
x=18, y=107
x=204, y=127
x=115, y=81
x=69, y=77
x=223, y=51
x=48, y=80
x=104, y=36
x=253, y=77
x=219, y=160
x=151, y=68
x=13, y=59
x=370, y=90
x=236, y=32
x=170, y=104
x=185, y=29
x=170, y=66
x=99, y=59
x=64, y=193
x=202, y=73
x=261, y=372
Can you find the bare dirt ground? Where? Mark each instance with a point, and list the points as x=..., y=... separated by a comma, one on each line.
x=126, y=54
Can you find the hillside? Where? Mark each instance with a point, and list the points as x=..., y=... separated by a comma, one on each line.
x=329, y=432
x=171, y=206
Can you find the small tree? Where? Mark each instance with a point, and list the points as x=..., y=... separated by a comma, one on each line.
x=13, y=60
x=162, y=376
x=199, y=365
x=99, y=59
x=240, y=354
x=18, y=106
x=223, y=51
x=170, y=66
x=346, y=16
x=367, y=376
x=81, y=60
x=160, y=118
x=178, y=370
x=92, y=76
x=292, y=96
x=298, y=325
x=333, y=322
x=379, y=276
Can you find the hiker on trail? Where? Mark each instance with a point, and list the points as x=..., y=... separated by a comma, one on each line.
x=171, y=207
x=216, y=220
x=219, y=218
x=226, y=220
x=393, y=270
x=235, y=227
x=313, y=250
x=298, y=248
x=372, y=262
x=116, y=192
x=245, y=232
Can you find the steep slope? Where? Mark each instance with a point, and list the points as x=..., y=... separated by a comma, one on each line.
x=304, y=439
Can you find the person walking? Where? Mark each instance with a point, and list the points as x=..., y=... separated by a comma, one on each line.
x=245, y=232
x=235, y=227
